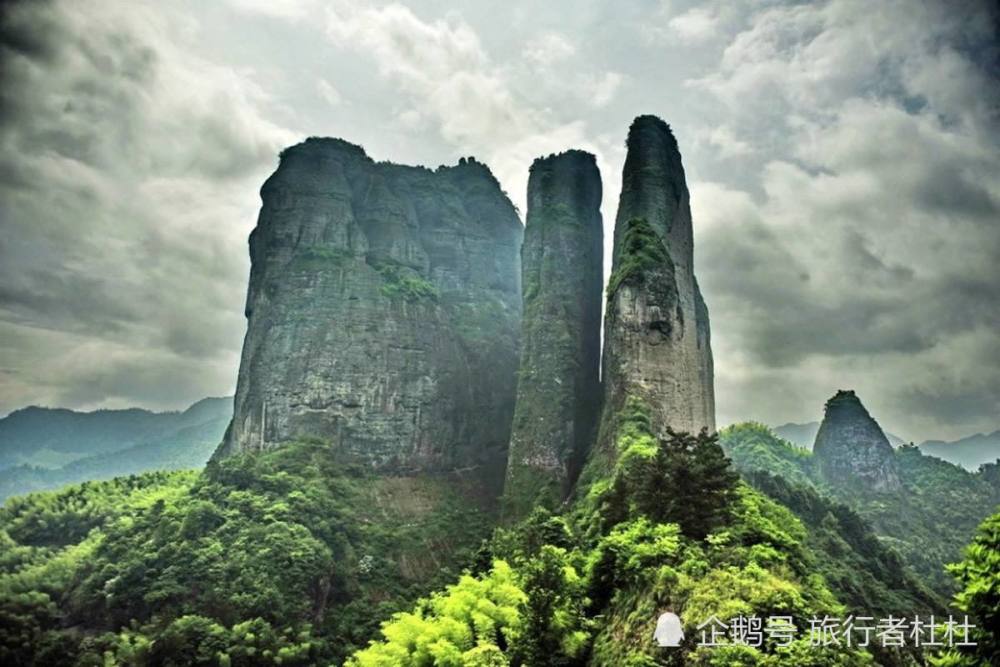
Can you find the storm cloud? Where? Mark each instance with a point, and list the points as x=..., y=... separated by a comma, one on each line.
x=842, y=157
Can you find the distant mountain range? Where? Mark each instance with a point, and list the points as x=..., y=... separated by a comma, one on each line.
x=969, y=452
x=45, y=448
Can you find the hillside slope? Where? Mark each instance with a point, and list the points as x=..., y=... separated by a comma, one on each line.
x=928, y=521
x=288, y=557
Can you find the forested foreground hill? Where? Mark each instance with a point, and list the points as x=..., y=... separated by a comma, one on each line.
x=290, y=557
x=295, y=557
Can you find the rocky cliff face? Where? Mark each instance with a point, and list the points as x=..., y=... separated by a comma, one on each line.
x=383, y=311
x=851, y=449
x=558, y=387
x=656, y=331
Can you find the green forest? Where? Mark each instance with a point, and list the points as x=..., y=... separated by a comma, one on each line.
x=297, y=556
x=927, y=523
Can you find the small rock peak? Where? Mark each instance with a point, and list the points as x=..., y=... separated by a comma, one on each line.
x=468, y=168
x=844, y=395
x=851, y=448
x=845, y=402
x=464, y=163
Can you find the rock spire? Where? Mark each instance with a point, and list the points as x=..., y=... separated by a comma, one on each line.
x=656, y=331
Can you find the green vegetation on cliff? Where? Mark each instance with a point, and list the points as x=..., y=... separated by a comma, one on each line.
x=641, y=251
x=978, y=577
x=320, y=258
x=586, y=588
x=403, y=283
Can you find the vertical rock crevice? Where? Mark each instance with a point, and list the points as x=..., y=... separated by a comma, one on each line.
x=558, y=390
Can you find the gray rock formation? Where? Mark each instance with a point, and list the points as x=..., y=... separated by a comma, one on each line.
x=383, y=311
x=656, y=332
x=851, y=450
x=558, y=388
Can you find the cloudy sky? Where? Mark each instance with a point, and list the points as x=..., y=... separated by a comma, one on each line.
x=842, y=157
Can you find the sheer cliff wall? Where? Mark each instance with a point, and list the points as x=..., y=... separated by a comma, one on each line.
x=383, y=311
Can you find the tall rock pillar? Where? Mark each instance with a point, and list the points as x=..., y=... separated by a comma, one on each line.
x=558, y=390
x=656, y=331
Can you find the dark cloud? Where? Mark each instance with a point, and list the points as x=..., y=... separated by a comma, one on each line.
x=128, y=177
x=891, y=208
x=28, y=29
x=842, y=156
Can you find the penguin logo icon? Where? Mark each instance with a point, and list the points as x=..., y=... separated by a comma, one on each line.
x=668, y=630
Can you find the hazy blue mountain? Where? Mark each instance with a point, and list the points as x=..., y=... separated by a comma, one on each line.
x=45, y=448
x=970, y=452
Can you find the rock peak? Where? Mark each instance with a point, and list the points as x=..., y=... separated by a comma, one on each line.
x=851, y=448
x=657, y=337
x=323, y=145
x=844, y=395
x=582, y=159
x=648, y=126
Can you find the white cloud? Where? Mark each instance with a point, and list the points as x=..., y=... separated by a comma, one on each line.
x=603, y=89
x=133, y=166
x=549, y=48
x=411, y=119
x=725, y=141
x=442, y=67
x=280, y=9
x=864, y=246
x=697, y=24
x=328, y=93
x=842, y=159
